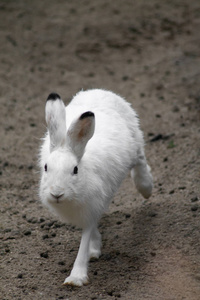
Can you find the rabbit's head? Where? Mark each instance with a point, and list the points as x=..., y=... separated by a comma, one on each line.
x=60, y=170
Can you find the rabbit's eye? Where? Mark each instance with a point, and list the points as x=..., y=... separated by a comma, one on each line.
x=75, y=170
x=45, y=167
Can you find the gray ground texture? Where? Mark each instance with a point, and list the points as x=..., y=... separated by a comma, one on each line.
x=148, y=52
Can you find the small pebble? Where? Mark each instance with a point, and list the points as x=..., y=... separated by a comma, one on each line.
x=58, y=225
x=45, y=236
x=175, y=109
x=50, y=223
x=194, y=207
x=116, y=294
x=152, y=214
x=128, y=216
x=110, y=292
x=194, y=199
x=30, y=167
x=63, y=271
x=157, y=138
x=6, y=164
x=44, y=255
x=32, y=220
x=27, y=232
x=125, y=78
x=159, y=87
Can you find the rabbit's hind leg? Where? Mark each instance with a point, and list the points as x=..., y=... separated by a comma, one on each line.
x=95, y=244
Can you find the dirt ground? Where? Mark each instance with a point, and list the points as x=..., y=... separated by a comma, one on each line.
x=148, y=52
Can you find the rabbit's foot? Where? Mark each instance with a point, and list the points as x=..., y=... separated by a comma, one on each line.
x=78, y=277
x=95, y=245
x=94, y=253
x=76, y=280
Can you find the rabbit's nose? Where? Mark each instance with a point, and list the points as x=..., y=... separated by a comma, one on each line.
x=57, y=196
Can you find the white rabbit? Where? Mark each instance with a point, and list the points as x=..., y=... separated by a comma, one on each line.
x=88, y=150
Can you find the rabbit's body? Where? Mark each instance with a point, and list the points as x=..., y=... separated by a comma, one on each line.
x=88, y=150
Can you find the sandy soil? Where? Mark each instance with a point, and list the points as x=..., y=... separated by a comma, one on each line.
x=149, y=52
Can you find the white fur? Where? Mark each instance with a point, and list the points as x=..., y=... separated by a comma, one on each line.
x=104, y=148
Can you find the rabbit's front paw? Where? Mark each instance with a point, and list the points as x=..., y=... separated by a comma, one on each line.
x=76, y=280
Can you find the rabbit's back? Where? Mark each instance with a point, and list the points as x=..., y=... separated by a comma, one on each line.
x=110, y=110
x=113, y=149
x=100, y=100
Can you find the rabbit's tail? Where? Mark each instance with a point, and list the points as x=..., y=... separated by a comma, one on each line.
x=141, y=174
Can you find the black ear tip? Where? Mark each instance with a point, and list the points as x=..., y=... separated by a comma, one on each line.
x=53, y=96
x=86, y=115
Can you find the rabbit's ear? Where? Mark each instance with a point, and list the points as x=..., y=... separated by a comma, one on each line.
x=79, y=133
x=56, y=120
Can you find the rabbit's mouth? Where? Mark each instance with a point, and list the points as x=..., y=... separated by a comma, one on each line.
x=57, y=197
